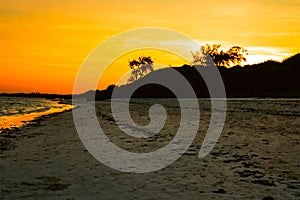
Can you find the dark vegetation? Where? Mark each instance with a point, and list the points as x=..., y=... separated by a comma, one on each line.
x=267, y=79
x=233, y=56
x=140, y=67
x=38, y=95
x=263, y=80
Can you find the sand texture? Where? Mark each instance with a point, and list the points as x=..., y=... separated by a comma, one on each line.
x=256, y=157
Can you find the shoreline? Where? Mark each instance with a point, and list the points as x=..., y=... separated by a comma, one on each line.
x=9, y=135
x=18, y=120
x=257, y=151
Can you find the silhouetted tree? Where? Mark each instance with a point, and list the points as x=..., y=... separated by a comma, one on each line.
x=110, y=87
x=233, y=56
x=140, y=67
x=201, y=57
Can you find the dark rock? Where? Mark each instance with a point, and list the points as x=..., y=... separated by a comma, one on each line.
x=219, y=191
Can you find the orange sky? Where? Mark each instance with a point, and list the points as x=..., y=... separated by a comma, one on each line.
x=43, y=43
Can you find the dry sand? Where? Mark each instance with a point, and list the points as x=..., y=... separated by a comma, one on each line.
x=256, y=157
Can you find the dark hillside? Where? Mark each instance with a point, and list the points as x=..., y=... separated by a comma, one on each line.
x=268, y=79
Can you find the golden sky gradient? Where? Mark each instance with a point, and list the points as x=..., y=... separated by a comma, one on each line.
x=43, y=43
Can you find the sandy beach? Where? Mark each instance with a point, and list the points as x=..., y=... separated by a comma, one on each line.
x=256, y=157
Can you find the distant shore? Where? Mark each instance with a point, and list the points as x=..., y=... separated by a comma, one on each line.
x=38, y=95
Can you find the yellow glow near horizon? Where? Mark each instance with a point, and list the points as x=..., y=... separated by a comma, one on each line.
x=44, y=42
x=261, y=54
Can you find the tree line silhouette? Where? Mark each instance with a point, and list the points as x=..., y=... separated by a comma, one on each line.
x=212, y=53
x=267, y=79
x=38, y=95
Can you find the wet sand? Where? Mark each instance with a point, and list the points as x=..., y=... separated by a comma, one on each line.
x=256, y=157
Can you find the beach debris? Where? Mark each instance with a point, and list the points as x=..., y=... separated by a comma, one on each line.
x=253, y=173
x=4, y=144
x=219, y=191
x=268, y=198
x=52, y=183
x=264, y=182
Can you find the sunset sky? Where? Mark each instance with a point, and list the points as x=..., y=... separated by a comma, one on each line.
x=43, y=43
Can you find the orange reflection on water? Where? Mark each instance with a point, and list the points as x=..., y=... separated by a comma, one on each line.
x=20, y=120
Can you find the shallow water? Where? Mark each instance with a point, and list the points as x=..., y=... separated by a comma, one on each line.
x=17, y=111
